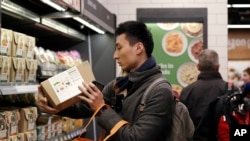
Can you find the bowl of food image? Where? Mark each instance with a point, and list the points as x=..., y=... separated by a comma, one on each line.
x=192, y=29
x=174, y=43
x=168, y=26
x=194, y=49
x=187, y=73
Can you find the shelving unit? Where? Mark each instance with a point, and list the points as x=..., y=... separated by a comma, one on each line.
x=59, y=30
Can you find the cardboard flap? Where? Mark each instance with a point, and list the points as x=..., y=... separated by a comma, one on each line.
x=15, y=37
x=18, y=63
x=30, y=42
x=14, y=63
x=3, y=121
x=31, y=64
x=6, y=37
x=19, y=38
x=5, y=62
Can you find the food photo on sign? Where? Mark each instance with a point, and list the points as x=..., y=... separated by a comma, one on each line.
x=177, y=46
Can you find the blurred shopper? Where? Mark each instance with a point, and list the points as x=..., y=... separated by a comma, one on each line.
x=235, y=114
x=134, y=46
x=199, y=96
x=246, y=75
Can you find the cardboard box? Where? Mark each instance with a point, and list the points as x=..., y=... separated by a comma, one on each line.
x=5, y=68
x=30, y=135
x=62, y=89
x=17, y=137
x=6, y=42
x=18, y=69
x=28, y=117
x=12, y=116
x=31, y=69
x=30, y=46
x=19, y=45
x=3, y=126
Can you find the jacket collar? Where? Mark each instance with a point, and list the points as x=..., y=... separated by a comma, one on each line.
x=209, y=75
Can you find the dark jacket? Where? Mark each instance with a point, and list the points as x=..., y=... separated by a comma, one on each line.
x=198, y=97
x=150, y=125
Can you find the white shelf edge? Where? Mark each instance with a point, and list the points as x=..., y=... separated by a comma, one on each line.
x=18, y=88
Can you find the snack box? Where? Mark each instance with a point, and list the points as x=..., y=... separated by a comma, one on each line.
x=62, y=89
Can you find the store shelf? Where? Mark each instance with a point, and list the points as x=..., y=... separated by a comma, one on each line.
x=18, y=88
x=68, y=136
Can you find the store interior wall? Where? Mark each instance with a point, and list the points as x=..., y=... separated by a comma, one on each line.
x=217, y=20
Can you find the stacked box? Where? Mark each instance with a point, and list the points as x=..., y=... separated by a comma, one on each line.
x=30, y=135
x=6, y=42
x=30, y=46
x=17, y=137
x=19, y=45
x=12, y=116
x=28, y=116
x=3, y=126
x=31, y=70
x=5, y=68
x=18, y=69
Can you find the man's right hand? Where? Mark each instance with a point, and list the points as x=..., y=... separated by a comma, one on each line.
x=42, y=103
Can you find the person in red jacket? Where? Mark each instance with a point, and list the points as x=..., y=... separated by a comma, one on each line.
x=239, y=113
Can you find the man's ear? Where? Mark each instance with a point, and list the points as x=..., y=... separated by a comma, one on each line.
x=139, y=48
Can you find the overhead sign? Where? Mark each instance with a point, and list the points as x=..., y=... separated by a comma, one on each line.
x=239, y=44
x=74, y=4
x=99, y=14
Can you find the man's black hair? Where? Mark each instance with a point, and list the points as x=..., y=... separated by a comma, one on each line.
x=137, y=32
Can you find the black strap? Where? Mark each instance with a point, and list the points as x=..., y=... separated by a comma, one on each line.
x=145, y=95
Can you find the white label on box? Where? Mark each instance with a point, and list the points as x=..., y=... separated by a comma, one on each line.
x=31, y=125
x=3, y=133
x=65, y=84
x=13, y=129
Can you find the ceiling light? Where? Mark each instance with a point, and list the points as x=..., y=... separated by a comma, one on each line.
x=238, y=26
x=240, y=5
x=91, y=26
x=54, y=5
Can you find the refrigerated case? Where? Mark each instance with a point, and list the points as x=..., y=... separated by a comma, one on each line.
x=59, y=31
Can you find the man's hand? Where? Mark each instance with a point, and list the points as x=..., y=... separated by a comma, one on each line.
x=42, y=103
x=92, y=95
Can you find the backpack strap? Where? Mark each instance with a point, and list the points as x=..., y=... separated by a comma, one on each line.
x=145, y=95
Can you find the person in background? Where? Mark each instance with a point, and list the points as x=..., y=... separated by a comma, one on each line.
x=134, y=46
x=246, y=75
x=199, y=96
x=235, y=112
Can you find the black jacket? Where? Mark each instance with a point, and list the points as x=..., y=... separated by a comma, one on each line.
x=198, y=97
x=150, y=125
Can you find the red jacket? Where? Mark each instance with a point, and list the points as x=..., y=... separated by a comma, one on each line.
x=223, y=126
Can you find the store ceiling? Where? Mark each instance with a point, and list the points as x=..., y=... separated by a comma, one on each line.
x=238, y=15
x=45, y=36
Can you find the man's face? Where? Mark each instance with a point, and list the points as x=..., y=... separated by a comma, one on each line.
x=125, y=54
x=246, y=77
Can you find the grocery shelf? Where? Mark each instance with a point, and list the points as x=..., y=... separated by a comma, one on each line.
x=8, y=88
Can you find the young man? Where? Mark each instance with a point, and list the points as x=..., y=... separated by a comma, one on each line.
x=134, y=46
x=199, y=96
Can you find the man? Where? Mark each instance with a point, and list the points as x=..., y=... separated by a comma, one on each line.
x=134, y=46
x=199, y=96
